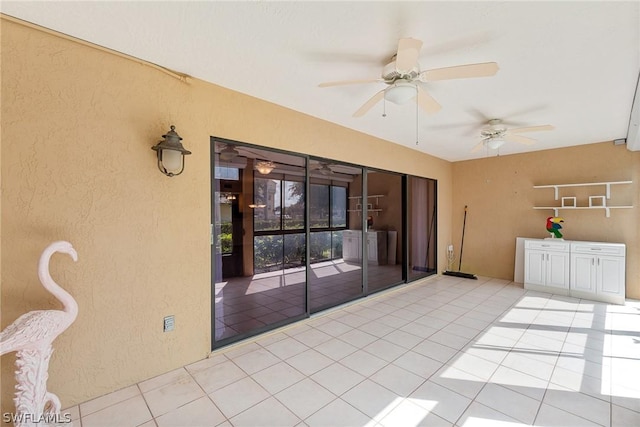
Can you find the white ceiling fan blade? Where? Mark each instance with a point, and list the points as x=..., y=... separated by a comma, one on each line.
x=485, y=69
x=519, y=139
x=349, y=82
x=369, y=104
x=478, y=146
x=407, y=56
x=532, y=129
x=427, y=102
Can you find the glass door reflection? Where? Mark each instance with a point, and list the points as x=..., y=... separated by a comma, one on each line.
x=335, y=261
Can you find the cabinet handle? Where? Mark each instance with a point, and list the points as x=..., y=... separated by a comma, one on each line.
x=598, y=261
x=592, y=261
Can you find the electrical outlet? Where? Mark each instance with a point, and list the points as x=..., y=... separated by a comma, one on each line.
x=169, y=323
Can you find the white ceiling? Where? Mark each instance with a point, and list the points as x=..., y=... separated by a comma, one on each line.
x=574, y=65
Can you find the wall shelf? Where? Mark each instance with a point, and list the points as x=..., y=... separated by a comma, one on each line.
x=374, y=196
x=606, y=184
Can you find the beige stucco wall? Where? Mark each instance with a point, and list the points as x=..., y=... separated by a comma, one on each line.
x=500, y=197
x=77, y=127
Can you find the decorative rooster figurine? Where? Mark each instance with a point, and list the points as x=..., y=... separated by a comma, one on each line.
x=553, y=226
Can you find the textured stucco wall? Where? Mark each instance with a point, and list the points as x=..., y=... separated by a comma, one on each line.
x=77, y=127
x=500, y=195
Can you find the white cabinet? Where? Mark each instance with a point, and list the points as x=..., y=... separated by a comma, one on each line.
x=352, y=245
x=598, y=271
x=376, y=246
x=546, y=266
x=589, y=270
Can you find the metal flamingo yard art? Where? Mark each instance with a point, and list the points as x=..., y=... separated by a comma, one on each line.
x=31, y=336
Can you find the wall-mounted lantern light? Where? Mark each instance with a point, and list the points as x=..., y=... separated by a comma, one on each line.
x=171, y=153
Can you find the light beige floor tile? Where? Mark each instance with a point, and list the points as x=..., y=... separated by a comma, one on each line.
x=441, y=401
x=335, y=348
x=337, y=378
x=403, y=339
x=278, y=377
x=357, y=338
x=309, y=362
x=305, y=397
x=312, y=337
x=385, y=350
x=418, y=364
x=128, y=413
x=108, y=400
x=337, y=413
x=72, y=413
x=435, y=351
x=286, y=348
x=596, y=410
x=623, y=417
x=363, y=363
x=269, y=412
x=239, y=396
x=164, y=379
x=171, y=396
x=504, y=400
x=200, y=365
x=459, y=381
x=479, y=415
x=218, y=376
x=549, y=416
x=255, y=361
x=406, y=413
x=200, y=412
x=518, y=381
x=372, y=399
x=398, y=380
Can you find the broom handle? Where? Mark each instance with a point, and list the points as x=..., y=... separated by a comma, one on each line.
x=464, y=224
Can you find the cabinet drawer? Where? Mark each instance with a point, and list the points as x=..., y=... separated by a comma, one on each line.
x=612, y=249
x=547, y=245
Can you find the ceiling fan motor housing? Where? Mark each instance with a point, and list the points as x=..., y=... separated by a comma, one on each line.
x=391, y=74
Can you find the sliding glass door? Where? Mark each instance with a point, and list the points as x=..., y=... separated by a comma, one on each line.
x=293, y=235
x=335, y=260
x=259, y=240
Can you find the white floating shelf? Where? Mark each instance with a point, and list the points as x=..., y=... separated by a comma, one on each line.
x=558, y=208
x=608, y=185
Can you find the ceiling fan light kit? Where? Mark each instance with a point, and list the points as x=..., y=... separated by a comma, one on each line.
x=265, y=167
x=400, y=92
x=403, y=76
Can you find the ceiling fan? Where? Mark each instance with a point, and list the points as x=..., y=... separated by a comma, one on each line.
x=404, y=78
x=496, y=133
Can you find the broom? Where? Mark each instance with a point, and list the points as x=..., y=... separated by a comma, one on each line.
x=459, y=273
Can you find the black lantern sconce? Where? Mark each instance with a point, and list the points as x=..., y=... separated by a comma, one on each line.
x=171, y=153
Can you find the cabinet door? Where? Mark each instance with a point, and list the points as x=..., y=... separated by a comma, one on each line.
x=372, y=248
x=583, y=272
x=611, y=280
x=534, y=267
x=351, y=247
x=558, y=269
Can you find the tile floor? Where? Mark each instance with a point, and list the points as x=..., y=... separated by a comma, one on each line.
x=440, y=352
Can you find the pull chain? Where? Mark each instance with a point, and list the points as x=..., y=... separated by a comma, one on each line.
x=384, y=106
x=417, y=94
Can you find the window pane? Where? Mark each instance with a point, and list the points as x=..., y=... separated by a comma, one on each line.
x=294, y=250
x=267, y=253
x=319, y=206
x=320, y=246
x=266, y=210
x=293, y=215
x=339, y=206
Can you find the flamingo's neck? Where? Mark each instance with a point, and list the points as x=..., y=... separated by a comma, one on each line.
x=69, y=303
